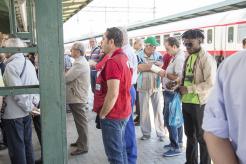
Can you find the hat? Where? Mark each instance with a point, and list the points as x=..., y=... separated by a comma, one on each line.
x=152, y=41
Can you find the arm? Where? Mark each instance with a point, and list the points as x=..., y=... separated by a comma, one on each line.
x=220, y=150
x=111, y=97
x=73, y=72
x=12, y=78
x=144, y=67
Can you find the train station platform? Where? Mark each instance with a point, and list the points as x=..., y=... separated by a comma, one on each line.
x=149, y=151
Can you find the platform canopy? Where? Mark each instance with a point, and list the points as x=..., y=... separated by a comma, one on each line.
x=69, y=7
x=223, y=6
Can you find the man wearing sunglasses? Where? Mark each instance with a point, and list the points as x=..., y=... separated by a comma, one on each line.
x=150, y=88
x=198, y=80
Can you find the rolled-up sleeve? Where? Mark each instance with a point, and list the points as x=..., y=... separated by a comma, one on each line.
x=215, y=120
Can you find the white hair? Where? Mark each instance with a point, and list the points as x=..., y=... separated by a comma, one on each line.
x=125, y=35
x=79, y=46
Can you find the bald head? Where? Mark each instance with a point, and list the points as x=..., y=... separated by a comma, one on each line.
x=125, y=35
x=138, y=44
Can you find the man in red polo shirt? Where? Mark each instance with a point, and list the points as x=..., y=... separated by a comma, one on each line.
x=112, y=100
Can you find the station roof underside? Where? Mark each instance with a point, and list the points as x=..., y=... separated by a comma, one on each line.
x=69, y=8
x=206, y=10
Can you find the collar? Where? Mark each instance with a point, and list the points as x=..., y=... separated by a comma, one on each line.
x=116, y=52
x=12, y=57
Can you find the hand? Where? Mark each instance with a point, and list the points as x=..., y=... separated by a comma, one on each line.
x=101, y=116
x=183, y=90
x=171, y=84
x=158, y=63
x=162, y=73
x=35, y=111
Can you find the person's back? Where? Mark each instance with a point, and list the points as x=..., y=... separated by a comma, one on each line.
x=225, y=111
x=81, y=83
x=14, y=65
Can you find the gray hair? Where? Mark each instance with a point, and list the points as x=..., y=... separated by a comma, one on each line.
x=125, y=35
x=138, y=40
x=14, y=42
x=79, y=46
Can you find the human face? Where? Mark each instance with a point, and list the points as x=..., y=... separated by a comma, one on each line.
x=149, y=49
x=92, y=43
x=74, y=52
x=105, y=44
x=170, y=49
x=192, y=45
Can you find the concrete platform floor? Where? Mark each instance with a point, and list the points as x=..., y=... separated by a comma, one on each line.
x=149, y=151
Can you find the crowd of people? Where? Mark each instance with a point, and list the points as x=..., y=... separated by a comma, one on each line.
x=183, y=88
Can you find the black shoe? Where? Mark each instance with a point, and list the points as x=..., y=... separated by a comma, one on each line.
x=74, y=144
x=136, y=119
x=2, y=146
x=39, y=161
x=78, y=152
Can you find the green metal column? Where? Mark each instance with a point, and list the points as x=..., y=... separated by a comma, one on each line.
x=52, y=88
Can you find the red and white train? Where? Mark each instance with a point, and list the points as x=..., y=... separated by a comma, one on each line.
x=223, y=32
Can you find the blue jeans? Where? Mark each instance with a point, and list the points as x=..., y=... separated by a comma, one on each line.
x=175, y=134
x=19, y=139
x=130, y=136
x=113, y=132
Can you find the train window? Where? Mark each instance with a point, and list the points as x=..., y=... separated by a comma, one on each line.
x=209, y=36
x=130, y=41
x=230, y=34
x=158, y=39
x=166, y=36
x=241, y=33
x=177, y=36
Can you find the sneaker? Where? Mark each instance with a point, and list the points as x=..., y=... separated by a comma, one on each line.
x=145, y=137
x=169, y=146
x=172, y=153
x=161, y=139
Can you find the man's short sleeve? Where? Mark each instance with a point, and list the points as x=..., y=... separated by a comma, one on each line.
x=112, y=70
x=215, y=119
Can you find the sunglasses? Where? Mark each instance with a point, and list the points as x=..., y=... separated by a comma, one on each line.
x=188, y=45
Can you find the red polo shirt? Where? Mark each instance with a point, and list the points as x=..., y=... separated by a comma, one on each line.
x=116, y=67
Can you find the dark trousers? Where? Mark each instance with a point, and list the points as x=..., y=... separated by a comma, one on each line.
x=19, y=139
x=130, y=136
x=137, y=102
x=81, y=122
x=37, y=126
x=93, y=80
x=175, y=134
x=113, y=132
x=193, y=116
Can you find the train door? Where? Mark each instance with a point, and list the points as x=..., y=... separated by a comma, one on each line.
x=230, y=40
x=209, y=41
x=241, y=34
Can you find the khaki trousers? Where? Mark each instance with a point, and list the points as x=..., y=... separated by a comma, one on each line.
x=81, y=122
x=157, y=105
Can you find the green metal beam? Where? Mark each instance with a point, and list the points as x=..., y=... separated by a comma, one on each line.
x=52, y=87
x=71, y=4
x=17, y=90
x=12, y=17
x=18, y=49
